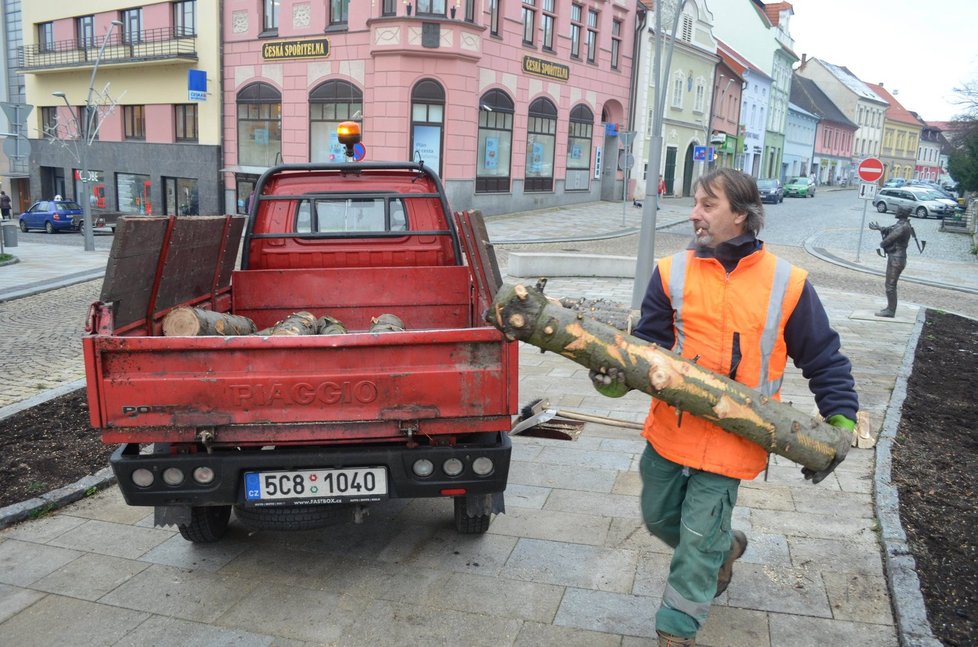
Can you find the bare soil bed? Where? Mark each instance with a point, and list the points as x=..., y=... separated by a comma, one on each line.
x=935, y=466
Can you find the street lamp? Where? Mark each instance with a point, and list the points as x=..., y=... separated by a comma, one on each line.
x=646, y=242
x=87, y=127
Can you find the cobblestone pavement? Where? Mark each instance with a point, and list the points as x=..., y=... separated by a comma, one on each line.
x=42, y=340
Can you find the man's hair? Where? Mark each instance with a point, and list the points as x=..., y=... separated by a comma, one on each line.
x=741, y=191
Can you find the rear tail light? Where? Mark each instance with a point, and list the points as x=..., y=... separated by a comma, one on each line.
x=203, y=475
x=482, y=466
x=453, y=467
x=142, y=477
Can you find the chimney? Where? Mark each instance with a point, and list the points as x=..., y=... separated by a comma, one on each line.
x=804, y=57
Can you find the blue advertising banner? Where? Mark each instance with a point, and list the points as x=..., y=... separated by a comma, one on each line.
x=197, y=85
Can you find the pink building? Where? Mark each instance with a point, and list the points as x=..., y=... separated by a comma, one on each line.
x=515, y=104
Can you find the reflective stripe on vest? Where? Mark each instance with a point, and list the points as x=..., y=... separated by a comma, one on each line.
x=769, y=337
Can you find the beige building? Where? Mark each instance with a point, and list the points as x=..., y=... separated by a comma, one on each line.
x=901, y=137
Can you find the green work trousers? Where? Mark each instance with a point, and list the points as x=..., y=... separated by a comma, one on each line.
x=690, y=510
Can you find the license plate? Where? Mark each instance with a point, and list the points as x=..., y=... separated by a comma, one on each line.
x=347, y=485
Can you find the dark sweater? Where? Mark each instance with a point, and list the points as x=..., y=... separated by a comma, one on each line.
x=811, y=342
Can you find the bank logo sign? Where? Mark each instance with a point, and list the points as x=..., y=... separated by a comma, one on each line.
x=540, y=67
x=285, y=49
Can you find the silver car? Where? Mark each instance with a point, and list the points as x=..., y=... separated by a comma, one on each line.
x=921, y=202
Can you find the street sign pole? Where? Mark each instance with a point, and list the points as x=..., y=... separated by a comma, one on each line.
x=861, y=228
x=625, y=164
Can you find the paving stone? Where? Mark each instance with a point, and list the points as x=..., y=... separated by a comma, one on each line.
x=389, y=623
x=526, y=496
x=60, y=620
x=119, y=540
x=177, y=551
x=595, y=503
x=446, y=549
x=43, y=530
x=734, y=627
x=608, y=612
x=836, y=555
x=827, y=526
x=804, y=631
x=90, y=576
x=859, y=597
x=584, y=458
x=191, y=595
x=108, y=505
x=591, y=567
x=561, y=476
x=172, y=632
x=781, y=589
x=535, y=634
x=496, y=596
x=22, y=563
x=554, y=525
x=14, y=599
x=292, y=612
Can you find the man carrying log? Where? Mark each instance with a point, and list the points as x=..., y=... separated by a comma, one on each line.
x=734, y=308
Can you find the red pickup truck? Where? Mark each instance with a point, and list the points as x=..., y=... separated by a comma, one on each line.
x=291, y=430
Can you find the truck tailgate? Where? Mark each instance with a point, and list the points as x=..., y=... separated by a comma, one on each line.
x=274, y=390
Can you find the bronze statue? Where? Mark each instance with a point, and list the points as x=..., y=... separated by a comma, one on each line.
x=896, y=238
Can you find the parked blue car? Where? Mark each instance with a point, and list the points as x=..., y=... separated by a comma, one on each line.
x=52, y=216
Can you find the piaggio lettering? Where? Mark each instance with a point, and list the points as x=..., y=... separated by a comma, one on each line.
x=303, y=393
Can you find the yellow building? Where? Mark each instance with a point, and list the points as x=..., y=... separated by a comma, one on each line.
x=901, y=138
x=146, y=124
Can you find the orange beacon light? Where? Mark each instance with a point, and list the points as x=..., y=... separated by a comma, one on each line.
x=348, y=133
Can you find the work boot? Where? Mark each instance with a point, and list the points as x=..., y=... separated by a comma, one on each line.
x=737, y=549
x=885, y=312
x=668, y=640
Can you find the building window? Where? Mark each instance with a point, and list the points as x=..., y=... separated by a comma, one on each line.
x=185, y=122
x=541, y=137
x=49, y=120
x=577, y=27
x=677, y=90
x=494, y=17
x=134, y=121
x=469, y=10
x=579, y=132
x=185, y=18
x=388, y=8
x=529, y=21
x=699, y=104
x=495, y=142
x=430, y=7
x=547, y=20
x=132, y=25
x=592, y=35
x=45, y=37
x=427, y=119
x=687, y=29
x=270, y=16
x=85, y=31
x=180, y=196
x=615, y=44
x=259, y=125
x=133, y=193
x=329, y=104
x=339, y=12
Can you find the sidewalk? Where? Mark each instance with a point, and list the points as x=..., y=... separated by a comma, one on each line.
x=568, y=564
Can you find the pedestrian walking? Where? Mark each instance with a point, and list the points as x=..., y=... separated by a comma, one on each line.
x=4, y=205
x=735, y=308
x=659, y=191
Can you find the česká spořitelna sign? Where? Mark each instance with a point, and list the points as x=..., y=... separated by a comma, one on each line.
x=550, y=70
x=283, y=49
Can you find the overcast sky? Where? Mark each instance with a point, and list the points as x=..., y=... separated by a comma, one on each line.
x=919, y=49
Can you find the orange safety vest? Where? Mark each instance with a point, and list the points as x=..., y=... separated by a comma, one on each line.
x=710, y=309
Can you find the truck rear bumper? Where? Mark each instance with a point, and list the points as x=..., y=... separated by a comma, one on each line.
x=230, y=466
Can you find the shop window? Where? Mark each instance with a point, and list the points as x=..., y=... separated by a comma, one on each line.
x=495, y=142
x=541, y=135
x=427, y=123
x=133, y=193
x=259, y=125
x=185, y=122
x=579, y=143
x=329, y=104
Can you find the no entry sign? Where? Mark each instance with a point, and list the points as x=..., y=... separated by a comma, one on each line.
x=870, y=169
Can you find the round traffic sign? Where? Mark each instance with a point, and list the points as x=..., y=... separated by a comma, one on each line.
x=870, y=169
x=359, y=152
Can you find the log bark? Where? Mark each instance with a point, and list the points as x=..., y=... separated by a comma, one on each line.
x=607, y=312
x=386, y=323
x=327, y=325
x=524, y=313
x=297, y=323
x=191, y=322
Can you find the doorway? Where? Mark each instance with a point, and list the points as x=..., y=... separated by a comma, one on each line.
x=688, y=172
x=669, y=173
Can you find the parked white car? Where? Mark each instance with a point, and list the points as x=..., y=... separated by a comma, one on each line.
x=921, y=202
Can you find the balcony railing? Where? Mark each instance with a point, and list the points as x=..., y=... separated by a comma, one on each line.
x=165, y=43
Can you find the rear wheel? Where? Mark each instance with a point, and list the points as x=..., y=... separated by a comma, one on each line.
x=48, y=227
x=921, y=212
x=207, y=524
x=301, y=517
x=23, y=226
x=881, y=207
x=467, y=524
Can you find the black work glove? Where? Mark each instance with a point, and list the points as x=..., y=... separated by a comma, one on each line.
x=609, y=382
x=840, y=421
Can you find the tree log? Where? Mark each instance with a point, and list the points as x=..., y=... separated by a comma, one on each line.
x=190, y=322
x=526, y=314
x=297, y=323
x=327, y=325
x=386, y=323
x=607, y=312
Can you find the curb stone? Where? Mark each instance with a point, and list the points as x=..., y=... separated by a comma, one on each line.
x=914, y=630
